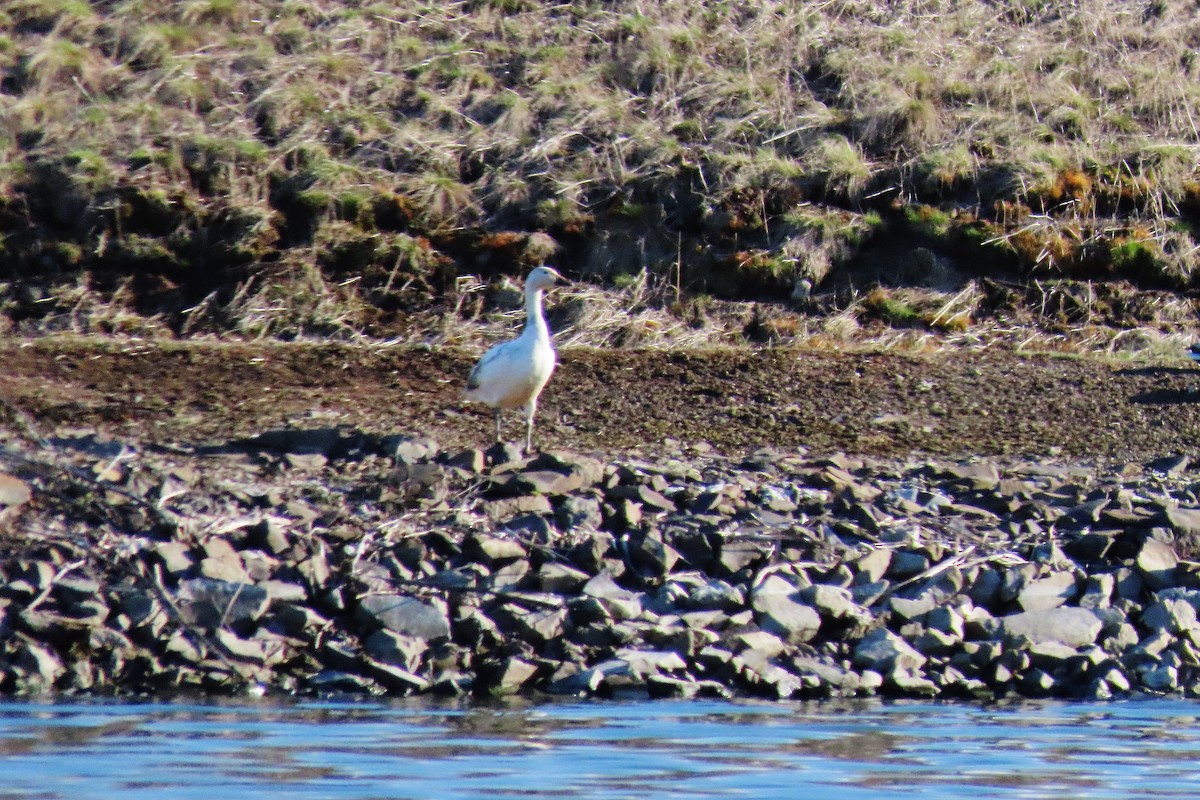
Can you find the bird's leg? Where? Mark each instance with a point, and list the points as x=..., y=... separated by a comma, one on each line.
x=498, y=431
x=529, y=411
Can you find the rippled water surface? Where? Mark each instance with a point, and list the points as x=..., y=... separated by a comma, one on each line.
x=637, y=750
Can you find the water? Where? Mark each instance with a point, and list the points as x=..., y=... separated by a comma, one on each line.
x=642, y=750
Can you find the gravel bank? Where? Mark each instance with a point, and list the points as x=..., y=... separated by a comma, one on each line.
x=335, y=561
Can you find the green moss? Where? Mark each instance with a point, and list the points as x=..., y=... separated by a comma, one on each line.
x=897, y=313
x=928, y=221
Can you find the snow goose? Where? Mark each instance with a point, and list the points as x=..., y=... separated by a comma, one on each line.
x=512, y=374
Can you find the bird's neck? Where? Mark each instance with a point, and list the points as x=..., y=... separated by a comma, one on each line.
x=535, y=321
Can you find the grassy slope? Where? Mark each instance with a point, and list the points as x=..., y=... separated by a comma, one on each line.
x=280, y=167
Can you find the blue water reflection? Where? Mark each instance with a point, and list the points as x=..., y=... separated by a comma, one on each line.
x=601, y=750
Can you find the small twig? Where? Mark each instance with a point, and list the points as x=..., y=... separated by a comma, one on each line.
x=58, y=575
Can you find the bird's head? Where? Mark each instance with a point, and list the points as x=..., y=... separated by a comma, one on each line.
x=542, y=278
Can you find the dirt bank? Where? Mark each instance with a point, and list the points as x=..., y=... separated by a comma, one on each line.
x=951, y=403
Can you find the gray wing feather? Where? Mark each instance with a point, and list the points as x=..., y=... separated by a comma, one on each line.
x=487, y=358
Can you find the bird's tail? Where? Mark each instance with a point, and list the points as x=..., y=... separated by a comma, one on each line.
x=1194, y=352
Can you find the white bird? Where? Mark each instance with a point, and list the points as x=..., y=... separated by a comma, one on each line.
x=512, y=374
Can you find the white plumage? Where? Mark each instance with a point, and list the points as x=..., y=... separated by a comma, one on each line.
x=512, y=374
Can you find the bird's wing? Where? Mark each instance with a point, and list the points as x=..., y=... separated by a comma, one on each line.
x=496, y=353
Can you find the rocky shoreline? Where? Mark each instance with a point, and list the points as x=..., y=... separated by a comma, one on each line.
x=330, y=560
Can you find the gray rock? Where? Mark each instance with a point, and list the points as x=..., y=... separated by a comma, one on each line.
x=1098, y=592
x=491, y=549
x=699, y=594
x=650, y=662
x=1159, y=677
x=404, y=615
x=511, y=675
x=14, y=492
x=910, y=683
x=1173, y=616
x=239, y=649
x=778, y=612
x=762, y=676
x=548, y=482
x=1171, y=466
x=985, y=589
x=1076, y=627
x=507, y=578
x=210, y=603
x=947, y=620
x=538, y=625
x=831, y=601
x=389, y=647
x=1183, y=521
x=470, y=460
x=1156, y=562
x=1129, y=583
x=866, y=594
x=396, y=679
x=766, y=643
x=651, y=553
x=37, y=667
x=829, y=674
x=175, y=557
x=737, y=556
x=883, y=651
x=873, y=566
x=915, y=607
x=618, y=602
x=579, y=513
x=1052, y=591
x=933, y=642
x=906, y=564
x=554, y=576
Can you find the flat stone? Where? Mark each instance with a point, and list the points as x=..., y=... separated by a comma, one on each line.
x=1156, y=562
x=873, y=566
x=713, y=595
x=620, y=603
x=652, y=553
x=554, y=576
x=1170, y=466
x=407, y=616
x=240, y=649
x=1076, y=627
x=1049, y=592
x=651, y=662
x=906, y=564
x=766, y=643
x=14, y=491
x=490, y=549
x=211, y=603
x=1098, y=592
x=396, y=679
x=654, y=501
x=830, y=601
x=575, y=512
x=176, y=557
x=1173, y=616
x=548, y=482
x=779, y=612
x=883, y=651
x=915, y=607
x=947, y=620
x=389, y=647
x=538, y=625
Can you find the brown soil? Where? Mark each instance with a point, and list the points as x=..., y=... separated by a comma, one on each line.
x=950, y=403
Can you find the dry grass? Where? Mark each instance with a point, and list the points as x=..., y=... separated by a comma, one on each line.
x=263, y=156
